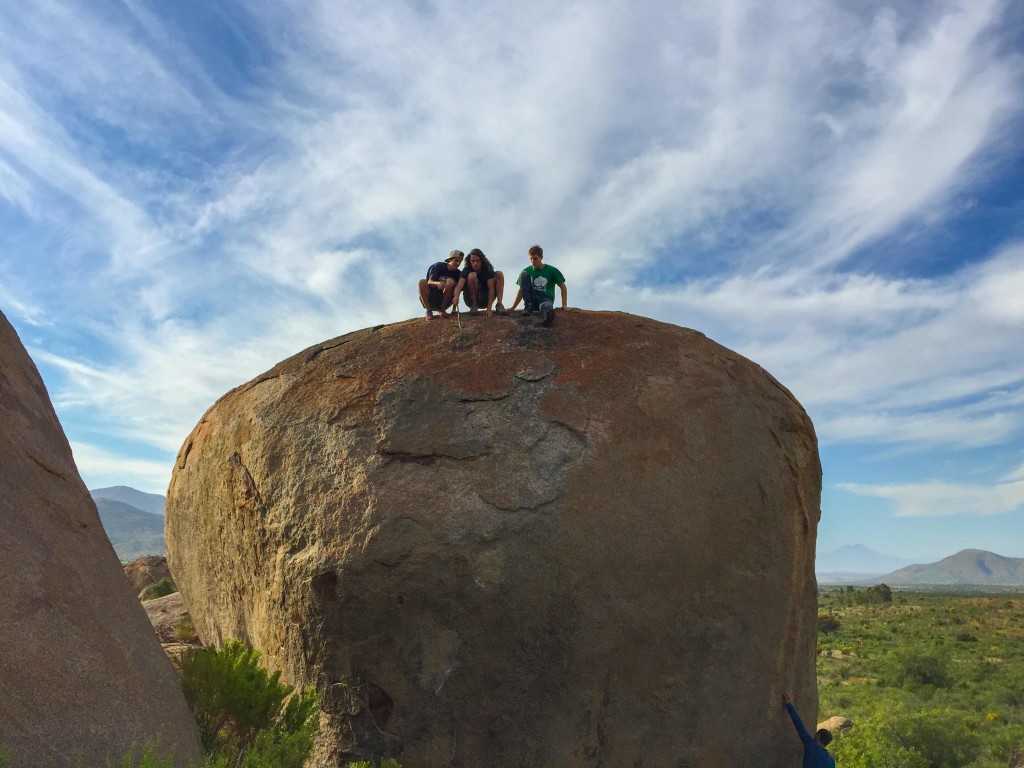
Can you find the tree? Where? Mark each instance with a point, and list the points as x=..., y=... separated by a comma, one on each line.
x=247, y=718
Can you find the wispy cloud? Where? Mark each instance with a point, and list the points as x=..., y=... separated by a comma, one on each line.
x=717, y=165
x=946, y=499
x=100, y=468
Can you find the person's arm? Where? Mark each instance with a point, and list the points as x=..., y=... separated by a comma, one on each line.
x=565, y=296
x=458, y=290
x=801, y=731
x=519, y=296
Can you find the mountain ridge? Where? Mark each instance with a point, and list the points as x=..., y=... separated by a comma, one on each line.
x=152, y=503
x=968, y=566
x=133, y=532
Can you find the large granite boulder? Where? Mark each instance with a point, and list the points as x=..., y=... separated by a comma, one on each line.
x=82, y=676
x=504, y=545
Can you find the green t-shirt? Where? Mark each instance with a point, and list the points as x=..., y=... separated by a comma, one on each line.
x=545, y=279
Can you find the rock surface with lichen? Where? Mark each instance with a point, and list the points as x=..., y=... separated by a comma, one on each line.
x=506, y=545
x=82, y=676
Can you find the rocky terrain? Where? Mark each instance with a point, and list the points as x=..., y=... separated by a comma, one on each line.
x=502, y=545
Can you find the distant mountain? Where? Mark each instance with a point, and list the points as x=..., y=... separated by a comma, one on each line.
x=132, y=531
x=847, y=577
x=856, y=559
x=970, y=566
x=147, y=502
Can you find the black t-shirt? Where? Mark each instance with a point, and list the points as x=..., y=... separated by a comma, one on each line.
x=486, y=273
x=440, y=271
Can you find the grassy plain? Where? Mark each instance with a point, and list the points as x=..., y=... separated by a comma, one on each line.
x=932, y=678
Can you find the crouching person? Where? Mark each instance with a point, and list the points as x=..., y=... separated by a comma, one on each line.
x=438, y=291
x=481, y=284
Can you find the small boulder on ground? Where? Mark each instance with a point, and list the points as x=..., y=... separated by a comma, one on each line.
x=836, y=725
x=147, y=570
x=170, y=618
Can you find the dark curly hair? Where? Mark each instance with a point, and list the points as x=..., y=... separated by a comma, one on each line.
x=485, y=263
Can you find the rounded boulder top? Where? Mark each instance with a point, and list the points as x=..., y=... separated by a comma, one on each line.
x=506, y=545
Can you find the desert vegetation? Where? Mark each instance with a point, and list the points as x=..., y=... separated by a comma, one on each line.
x=930, y=679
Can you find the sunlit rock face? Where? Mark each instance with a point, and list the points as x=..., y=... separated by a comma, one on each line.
x=82, y=675
x=507, y=545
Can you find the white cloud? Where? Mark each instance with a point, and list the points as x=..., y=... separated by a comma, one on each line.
x=937, y=499
x=734, y=156
x=101, y=468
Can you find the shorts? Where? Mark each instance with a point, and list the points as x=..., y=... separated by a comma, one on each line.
x=436, y=298
x=481, y=299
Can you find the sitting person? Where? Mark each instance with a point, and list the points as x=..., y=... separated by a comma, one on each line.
x=482, y=284
x=537, y=287
x=438, y=290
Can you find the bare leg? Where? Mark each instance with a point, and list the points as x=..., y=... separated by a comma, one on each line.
x=449, y=293
x=424, y=291
x=499, y=285
x=499, y=290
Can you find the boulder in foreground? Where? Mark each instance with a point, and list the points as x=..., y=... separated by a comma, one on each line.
x=82, y=675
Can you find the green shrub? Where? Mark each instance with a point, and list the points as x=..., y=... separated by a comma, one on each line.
x=917, y=668
x=827, y=624
x=162, y=588
x=901, y=739
x=247, y=718
x=385, y=763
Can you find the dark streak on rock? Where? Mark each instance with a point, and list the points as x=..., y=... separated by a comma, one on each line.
x=51, y=471
x=184, y=454
x=315, y=352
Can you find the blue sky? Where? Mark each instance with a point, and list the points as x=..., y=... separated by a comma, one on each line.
x=190, y=192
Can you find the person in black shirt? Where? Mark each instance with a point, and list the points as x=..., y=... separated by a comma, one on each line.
x=482, y=284
x=437, y=291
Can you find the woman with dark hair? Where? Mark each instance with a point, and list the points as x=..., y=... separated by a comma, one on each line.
x=482, y=283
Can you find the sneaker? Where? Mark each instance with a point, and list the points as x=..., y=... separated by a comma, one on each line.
x=500, y=309
x=527, y=310
x=547, y=314
x=443, y=314
x=430, y=315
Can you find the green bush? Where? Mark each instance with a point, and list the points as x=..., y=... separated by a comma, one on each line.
x=247, y=718
x=385, y=763
x=827, y=624
x=161, y=588
x=901, y=739
x=916, y=668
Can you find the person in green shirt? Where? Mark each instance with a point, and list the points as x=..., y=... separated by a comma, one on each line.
x=537, y=287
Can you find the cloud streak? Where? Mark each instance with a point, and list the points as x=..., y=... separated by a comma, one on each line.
x=723, y=166
x=945, y=499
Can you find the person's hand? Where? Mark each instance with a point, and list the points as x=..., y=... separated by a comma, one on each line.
x=785, y=698
x=487, y=312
